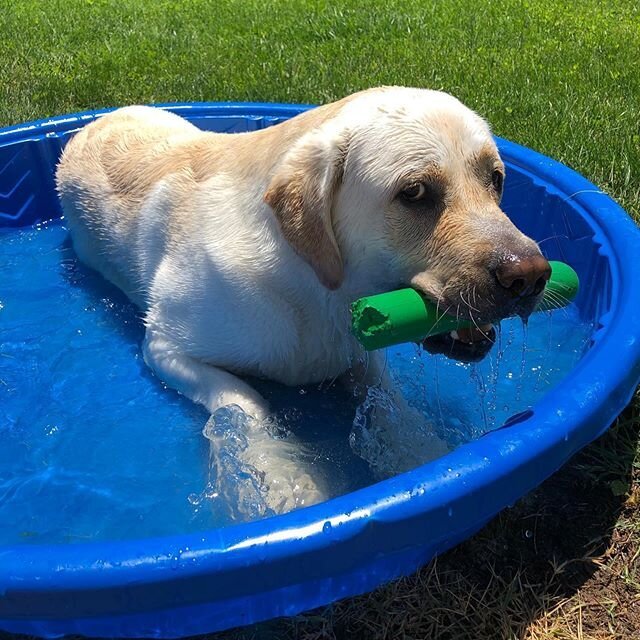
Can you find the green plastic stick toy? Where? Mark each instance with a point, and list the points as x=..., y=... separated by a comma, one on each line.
x=405, y=316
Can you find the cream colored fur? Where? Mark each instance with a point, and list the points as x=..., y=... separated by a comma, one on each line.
x=244, y=251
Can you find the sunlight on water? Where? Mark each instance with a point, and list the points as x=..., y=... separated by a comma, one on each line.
x=463, y=401
x=466, y=400
x=93, y=447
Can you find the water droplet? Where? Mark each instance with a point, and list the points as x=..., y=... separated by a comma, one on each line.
x=326, y=527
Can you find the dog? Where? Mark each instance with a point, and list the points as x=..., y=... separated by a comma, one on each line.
x=244, y=251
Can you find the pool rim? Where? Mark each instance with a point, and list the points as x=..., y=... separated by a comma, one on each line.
x=30, y=573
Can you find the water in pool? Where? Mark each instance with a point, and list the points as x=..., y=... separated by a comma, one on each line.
x=93, y=446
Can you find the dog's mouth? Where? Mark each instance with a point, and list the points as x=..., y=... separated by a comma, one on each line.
x=465, y=345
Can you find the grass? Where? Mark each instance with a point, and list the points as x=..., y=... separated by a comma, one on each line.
x=563, y=78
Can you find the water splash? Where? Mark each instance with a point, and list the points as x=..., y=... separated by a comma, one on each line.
x=238, y=485
x=477, y=378
x=523, y=360
x=464, y=401
x=364, y=439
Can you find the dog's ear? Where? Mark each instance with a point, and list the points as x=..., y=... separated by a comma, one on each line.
x=301, y=194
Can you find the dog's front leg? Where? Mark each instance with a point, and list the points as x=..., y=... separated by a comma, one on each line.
x=288, y=480
x=207, y=385
x=396, y=436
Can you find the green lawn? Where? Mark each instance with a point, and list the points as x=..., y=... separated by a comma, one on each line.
x=563, y=78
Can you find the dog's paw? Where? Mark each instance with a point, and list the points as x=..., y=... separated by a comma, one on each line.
x=255, y=472
x=286, y=492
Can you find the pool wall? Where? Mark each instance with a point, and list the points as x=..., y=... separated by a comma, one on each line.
x=198, y=583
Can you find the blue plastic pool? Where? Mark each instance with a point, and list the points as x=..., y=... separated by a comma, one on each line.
x=218, y=576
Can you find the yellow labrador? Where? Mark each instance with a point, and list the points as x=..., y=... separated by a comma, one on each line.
x=244, y=251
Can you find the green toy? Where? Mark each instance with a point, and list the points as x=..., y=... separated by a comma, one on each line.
x=406, y=316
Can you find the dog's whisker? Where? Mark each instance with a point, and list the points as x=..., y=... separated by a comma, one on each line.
x=557, y=298
x=439, y=316
x=468, y=303
x=555, y=236
x=484, y=334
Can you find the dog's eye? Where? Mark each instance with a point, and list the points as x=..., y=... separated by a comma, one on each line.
x=414, y=192
x=497, y=180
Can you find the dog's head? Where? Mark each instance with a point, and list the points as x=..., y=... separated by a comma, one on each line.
x=402, y=187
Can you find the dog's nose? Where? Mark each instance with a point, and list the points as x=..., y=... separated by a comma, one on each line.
x=524, y=276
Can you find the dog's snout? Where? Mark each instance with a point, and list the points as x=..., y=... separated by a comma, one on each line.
x=525, y=276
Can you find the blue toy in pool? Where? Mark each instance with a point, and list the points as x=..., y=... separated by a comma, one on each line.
x=199, y=572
